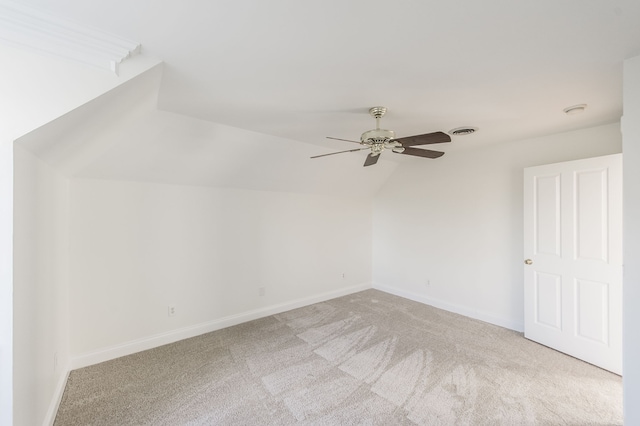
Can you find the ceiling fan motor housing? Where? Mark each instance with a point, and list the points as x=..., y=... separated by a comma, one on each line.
x=377, y=136
x=379, y=140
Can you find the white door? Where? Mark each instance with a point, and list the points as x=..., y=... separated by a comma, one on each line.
x=573, y=258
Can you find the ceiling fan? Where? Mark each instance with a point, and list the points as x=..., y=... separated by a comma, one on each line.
x=377, y=140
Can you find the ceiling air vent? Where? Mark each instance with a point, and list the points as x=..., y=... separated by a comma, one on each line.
x=461, y=131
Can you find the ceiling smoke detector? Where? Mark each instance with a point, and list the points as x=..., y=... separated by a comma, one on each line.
x=575, y=109
x=462, y=131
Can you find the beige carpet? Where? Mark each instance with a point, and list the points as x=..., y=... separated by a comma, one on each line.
x=367, y=358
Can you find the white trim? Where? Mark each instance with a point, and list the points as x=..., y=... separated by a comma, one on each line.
x=458, y=309
x=35, y=29
x=50, y=417
x=128, y=348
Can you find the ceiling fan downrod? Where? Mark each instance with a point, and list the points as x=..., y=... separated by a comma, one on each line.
x=377, y=112
x=380, y=139
x=377, y=136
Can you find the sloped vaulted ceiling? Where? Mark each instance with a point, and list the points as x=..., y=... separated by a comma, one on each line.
x=121, y=135
x=249, y=90
x=303, y=71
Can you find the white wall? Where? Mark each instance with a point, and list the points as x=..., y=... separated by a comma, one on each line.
x=6, y=282
x=138, y=247
x=457, y=223
x=631, y=289
x=35, y=89
x=41, y=323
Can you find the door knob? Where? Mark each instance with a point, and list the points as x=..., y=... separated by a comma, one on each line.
x=528, y=262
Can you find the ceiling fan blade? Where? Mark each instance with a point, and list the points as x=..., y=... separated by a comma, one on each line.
x=344, y=140
x=427, y=153
x=371, y=160
x=427, y=138
x=339, y=152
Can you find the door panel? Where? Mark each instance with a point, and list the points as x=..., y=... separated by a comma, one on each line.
x=592, y=310
x=591, y=215
x=548, y=299
x=547, y=209
x=573, y=237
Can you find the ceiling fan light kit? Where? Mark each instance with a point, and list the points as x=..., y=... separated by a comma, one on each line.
x=377, y=140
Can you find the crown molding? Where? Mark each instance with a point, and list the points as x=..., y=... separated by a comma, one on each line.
x=34, y=29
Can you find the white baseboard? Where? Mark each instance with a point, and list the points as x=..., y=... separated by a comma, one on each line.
x=50, y=417
x=458, y=309
x=131, y=347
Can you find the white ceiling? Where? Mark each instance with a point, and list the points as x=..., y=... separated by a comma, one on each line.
x=121, y=135
x=305, y=70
